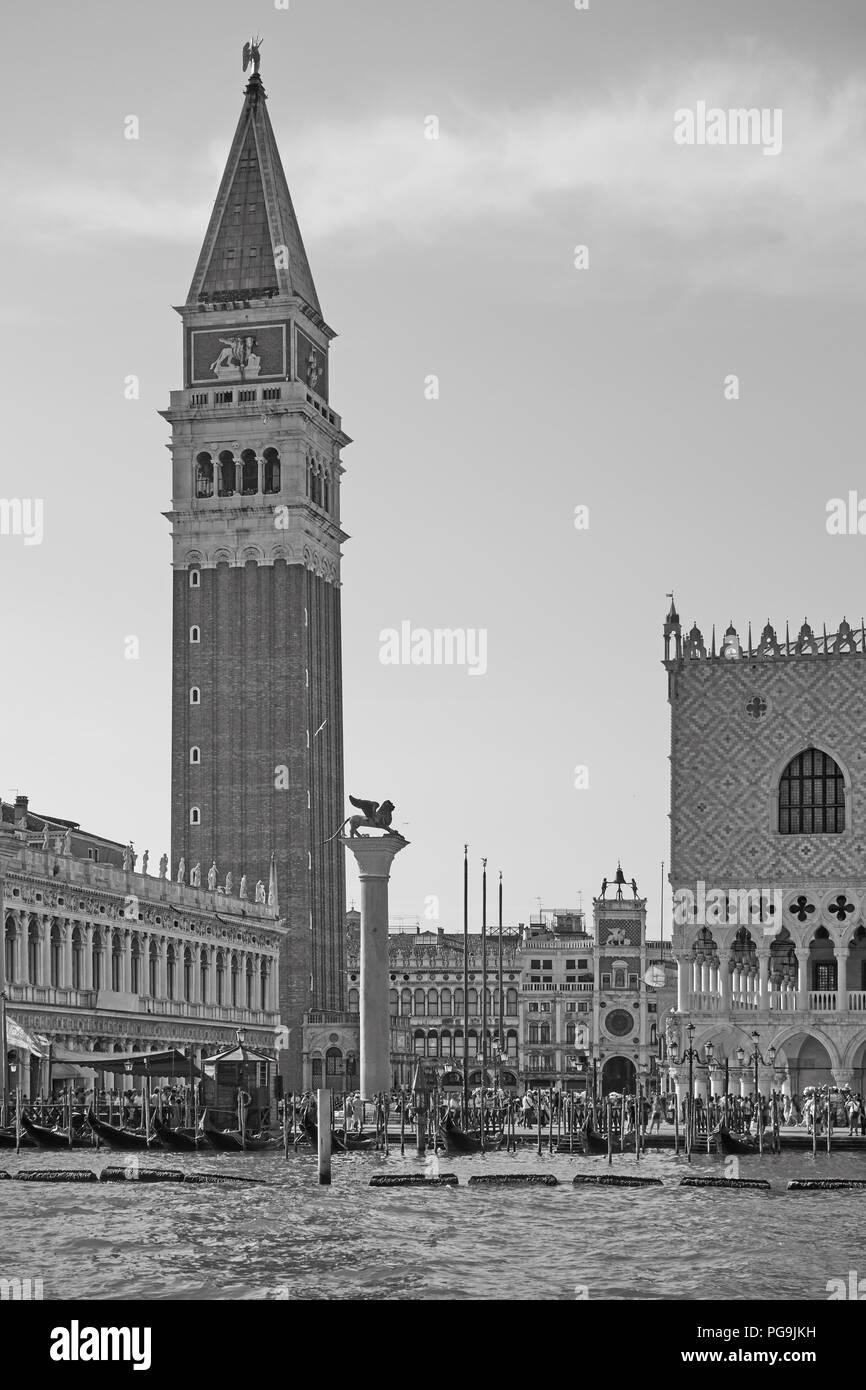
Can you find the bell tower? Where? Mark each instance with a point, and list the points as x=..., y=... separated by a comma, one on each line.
x=257, y=724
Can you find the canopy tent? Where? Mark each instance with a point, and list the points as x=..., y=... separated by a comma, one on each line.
x=170, y=1062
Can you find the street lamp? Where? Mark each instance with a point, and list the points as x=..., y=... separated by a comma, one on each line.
x=755, y=1058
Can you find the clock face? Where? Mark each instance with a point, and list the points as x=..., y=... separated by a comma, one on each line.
x=655, y=976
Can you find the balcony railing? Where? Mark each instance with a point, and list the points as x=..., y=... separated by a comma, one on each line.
x=857, y=1000
x=584, y=988
x=823, y=1001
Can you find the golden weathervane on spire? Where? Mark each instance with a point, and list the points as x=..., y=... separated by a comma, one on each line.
x=251, y=55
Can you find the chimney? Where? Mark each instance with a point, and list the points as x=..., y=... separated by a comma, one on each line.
x=20, y=808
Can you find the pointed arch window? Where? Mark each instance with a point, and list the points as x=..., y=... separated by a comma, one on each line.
x=812, y=795
x=194, y=815
x=195, y=634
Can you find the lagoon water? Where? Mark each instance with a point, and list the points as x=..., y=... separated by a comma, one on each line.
x=291, y=1239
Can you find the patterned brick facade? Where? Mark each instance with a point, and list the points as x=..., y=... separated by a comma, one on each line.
x=790, y=964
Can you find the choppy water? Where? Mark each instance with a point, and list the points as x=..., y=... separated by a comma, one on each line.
x=294, y=1239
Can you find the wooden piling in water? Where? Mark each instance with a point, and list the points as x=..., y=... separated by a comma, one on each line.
x=323, y=1119
x=609, y=1110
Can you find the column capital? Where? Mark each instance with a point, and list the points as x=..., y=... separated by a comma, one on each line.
x=374, y=853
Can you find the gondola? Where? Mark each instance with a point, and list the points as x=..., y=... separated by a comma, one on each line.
x=178, y=1140
x=595, y=1144
x=119, y=1138
x=591, y=1141
x=728, y=1143
x=458, y=1141
x=232, y=1141
x=340, y=1141
x=47, y=1138
x=7, y=1140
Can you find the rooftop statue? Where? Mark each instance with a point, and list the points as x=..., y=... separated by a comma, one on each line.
x=251, y=55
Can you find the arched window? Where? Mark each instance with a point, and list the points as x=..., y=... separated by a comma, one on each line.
x=354, y=997
x=203, y=475
x=272, y=470
x=135, y=966
x=187, y=974
x=419, y=1042
x=195, y=634
x=195, y=579
x=170, y=970
x=249, y=992
x=249, y=473
x=77, y=958
x=445, y=1042
x=203, y=976
x=227, y=473
x=326, y=493
x=10, y=949
x=96, y=957
x=263, y=985
x=445, y=1001
x=117, y=962
x=545, y=1033
x=433, y=1003
x=33, y=954
x=812, y=795
x=235, y=976
x=432, y=1044
x=333, y=1062
x=194, y=815
x=195, y=756
x=56, y=956
x=511, y=1001
x=153, y=969
x=194, y=695
x=458, y=1042
x=393, y=1002
x=473, y=1001
x=458, y=1001
x=569, y=1032
x=220, y=977
x=419, y=1002
x=511, y=1042
x=406, y=1001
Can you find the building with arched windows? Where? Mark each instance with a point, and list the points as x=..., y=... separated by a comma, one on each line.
x=768, y=854
x=555, y=991
x=100, y=958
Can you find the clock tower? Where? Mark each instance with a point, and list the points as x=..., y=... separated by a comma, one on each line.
x=257, y=725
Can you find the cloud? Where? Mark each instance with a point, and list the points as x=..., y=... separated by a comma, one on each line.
x=608, y=162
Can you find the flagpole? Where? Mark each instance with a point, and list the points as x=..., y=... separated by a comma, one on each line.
x=483, y=991
x=501, y=991
x=465, y=986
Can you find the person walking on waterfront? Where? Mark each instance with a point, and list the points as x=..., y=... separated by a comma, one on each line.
x=655, y=1113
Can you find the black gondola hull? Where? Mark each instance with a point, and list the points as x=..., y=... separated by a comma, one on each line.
x=123, y=1139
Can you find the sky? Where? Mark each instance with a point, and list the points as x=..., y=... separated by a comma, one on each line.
x=601, y=386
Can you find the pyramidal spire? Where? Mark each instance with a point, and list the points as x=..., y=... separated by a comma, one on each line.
x=253, y=247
